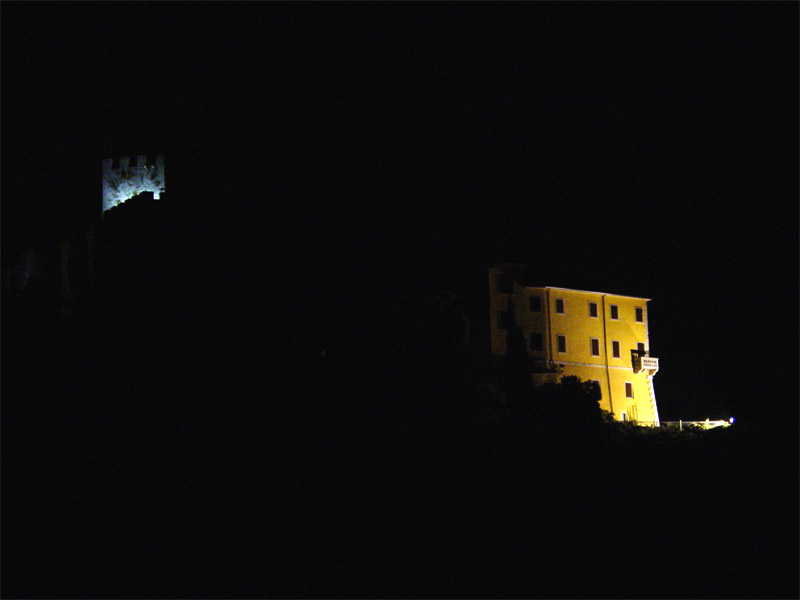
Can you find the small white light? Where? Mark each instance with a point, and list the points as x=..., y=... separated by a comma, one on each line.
x=732, y=419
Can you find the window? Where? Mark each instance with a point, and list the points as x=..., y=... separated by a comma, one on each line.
x=595, y=343
x=503, y=319
x=537, y=342
x=628, y=389
x=640, y=347
x=593, y=309
x=504, y=284
x=615, y=349
x=639, y=315
x=560, y=306
x=536, y=304
x=562, y=343
x=614, y=312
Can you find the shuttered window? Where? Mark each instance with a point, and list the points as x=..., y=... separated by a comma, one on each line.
x=504, y=319
x=503, y=284
x=537, y=342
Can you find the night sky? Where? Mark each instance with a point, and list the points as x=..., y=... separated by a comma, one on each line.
x=641, y=149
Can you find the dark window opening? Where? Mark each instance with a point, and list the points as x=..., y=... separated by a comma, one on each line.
x=562, y=343
x=560, y=306
x=628, y=390
x=595, y=347
x=615, y=349
x=639, y=315
x=504, y=284
x=592, y=309
x=537, y=342
x=536, y=304
x=614, y=311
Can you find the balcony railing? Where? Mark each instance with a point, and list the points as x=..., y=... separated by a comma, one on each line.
x=645, y=363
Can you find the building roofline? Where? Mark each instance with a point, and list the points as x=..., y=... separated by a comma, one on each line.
x=549, y=287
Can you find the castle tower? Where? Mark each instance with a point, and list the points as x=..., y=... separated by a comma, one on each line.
x=125, y=181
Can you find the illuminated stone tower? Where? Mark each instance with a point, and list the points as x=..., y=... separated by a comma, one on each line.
x=125, y=181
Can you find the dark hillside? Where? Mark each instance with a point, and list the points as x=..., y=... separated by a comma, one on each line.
x=201, y=444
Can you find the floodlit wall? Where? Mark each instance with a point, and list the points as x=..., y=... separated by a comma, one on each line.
x=545, y=313
x=126, y=180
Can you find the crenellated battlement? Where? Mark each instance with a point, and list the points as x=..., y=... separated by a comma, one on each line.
x=124, y=180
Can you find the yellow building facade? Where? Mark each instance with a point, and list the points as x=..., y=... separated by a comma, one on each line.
x=595, y=336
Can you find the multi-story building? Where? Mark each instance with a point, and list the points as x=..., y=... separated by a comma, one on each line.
x=593, y=335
